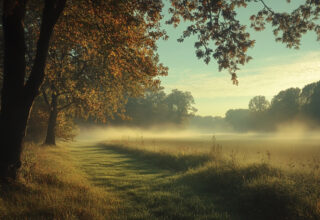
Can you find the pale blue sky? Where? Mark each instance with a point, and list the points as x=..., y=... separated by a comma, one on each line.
x=273, y=68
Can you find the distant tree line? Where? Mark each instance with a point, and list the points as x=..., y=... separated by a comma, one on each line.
x=289, y=105
x=153, y=108
x=157, y=108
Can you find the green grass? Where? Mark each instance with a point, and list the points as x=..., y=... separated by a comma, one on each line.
x=51, y=187
x=117, y=181
x=153, y=185
x=296, y=155
x=173, y=161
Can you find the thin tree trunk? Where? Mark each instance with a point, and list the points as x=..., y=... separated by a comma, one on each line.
x=17, y=96
x=51, y=130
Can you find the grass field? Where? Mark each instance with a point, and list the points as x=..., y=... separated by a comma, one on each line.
x=165, y=178
x=190, y=179
x=287, y=153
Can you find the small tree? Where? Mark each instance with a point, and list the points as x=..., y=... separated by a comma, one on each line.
x=259, y=104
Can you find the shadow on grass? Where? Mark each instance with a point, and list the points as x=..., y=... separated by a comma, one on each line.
x=120, y=160
x=173, y=162
x=253, y=192
x=197, y=189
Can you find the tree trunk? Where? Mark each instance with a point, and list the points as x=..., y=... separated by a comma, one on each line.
x=14, y=108
x=16, y=95
x=12, y=131
x=51, y=130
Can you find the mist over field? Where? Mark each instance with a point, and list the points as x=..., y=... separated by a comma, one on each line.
x=294, y=131
x=291, y=143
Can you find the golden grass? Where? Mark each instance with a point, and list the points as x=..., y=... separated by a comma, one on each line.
x=143, y=180
x=50, y=186
x=160, y=184
x=290, y=155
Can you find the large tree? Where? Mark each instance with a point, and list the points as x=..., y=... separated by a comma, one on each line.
x=20, y=87
x=91, y=77
x=18, y=93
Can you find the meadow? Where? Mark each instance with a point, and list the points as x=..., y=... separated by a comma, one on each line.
x=187, y=177
x=208, y=176
x=290, y=152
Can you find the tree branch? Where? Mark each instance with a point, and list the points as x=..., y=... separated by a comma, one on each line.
x=65, y=106
x=267, y=7
x=45, y=97
x=51, y=13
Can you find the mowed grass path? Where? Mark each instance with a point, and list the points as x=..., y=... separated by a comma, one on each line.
x=146, y=191
x=150, y=186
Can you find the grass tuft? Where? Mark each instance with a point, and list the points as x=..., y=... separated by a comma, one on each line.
x=51, y=187
x=256, y=191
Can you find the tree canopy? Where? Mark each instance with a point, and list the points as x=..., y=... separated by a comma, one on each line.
x=156, y=108
x=222, y=37
x=258, y=104
x=91, y=76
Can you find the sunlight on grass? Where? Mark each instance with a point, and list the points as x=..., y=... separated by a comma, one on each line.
x=163, y=184
x=114, y=181
x=50, y=187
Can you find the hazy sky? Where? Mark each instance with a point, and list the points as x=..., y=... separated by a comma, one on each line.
x=273, y=68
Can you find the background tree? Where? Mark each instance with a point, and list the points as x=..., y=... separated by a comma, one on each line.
x=285, y=105
x=239, y=119
x=258, y=104
x=180, y=106
x=156, y=108
x=66, y=129
x=310, y=101
x=148, y=110
x=259, y=115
